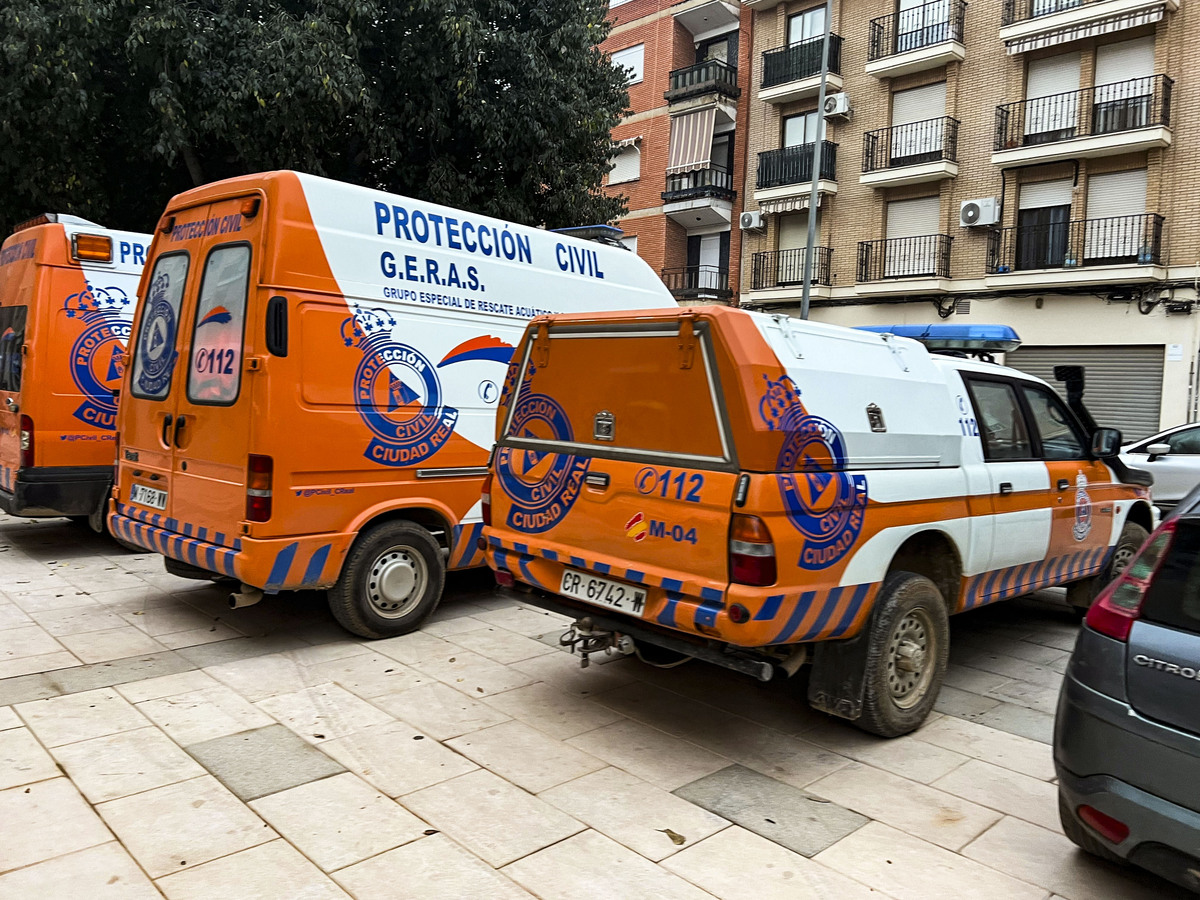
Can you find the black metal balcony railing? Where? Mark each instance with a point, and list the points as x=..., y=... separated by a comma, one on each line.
x=935, y=22
x=911, y=144
x=794, y=165
x=693, y=282
x=798, y=61
x=1103, y=109
x=925, y=256
x=711, y=182
x=712, y=75
x=1115, y=240
x=783, y=268
x=1023, y=10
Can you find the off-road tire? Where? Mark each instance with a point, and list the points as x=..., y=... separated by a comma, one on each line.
x=382, y=552
x=1079, y=835
x=909, y=613
x=1082, y=594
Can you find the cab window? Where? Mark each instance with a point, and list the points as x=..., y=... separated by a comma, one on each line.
x=154, y=356
x=12, y=337
x=1060, y=439
x=1186, y=442
x=215, y=373
x=1001, y=421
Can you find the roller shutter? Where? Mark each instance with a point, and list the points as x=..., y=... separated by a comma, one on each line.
x=1123, y=382
x=1051, y=107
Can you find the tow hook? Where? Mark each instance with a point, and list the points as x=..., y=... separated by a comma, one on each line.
x=583, y=637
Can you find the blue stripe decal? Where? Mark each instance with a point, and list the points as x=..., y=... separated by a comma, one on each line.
x=172, y=524
x=523, y=562
x=230, y=556
x=769, y=609
x=602, y=568
x=194, y=553
x=712, y=594
x=826, y=612
x=551, y=555
x=210, y=558
x=635, y=576
x=316, y=565
x=202, y=533
x=155, y=520
x=495, y=541
x=578, y=563
x=667, y=616
x=1061, y=573
x=521, y=548
x=187, y=528
x=856, y=602
x=501, y=558
x=672, y=584
x=990, y=589
x=706, y=613
x=219, y=538
x=803, y=602
x=281, y=567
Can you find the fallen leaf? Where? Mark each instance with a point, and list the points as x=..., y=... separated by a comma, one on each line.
x=674, y=836
x=319, y=737
x=431, y=831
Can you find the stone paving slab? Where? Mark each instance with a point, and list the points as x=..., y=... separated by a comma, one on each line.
x=779, y=812
x=263, y=761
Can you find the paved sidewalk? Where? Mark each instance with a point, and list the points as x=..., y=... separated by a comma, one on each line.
x=155, y=743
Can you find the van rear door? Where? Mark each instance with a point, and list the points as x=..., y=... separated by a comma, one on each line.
x=616, y=447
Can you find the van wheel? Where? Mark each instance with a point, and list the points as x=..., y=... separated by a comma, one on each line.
x=1082, y=594
x=391, y=581
x=907, y=651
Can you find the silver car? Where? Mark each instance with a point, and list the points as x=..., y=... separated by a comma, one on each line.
x=1127, y=734
x=1173, y=457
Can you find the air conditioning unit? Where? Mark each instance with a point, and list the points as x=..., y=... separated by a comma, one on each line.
x=981, y=211
x=837, y=106
x=753, y=221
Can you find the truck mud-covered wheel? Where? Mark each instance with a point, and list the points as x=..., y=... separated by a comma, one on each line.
x=908, y=647
x=1082, y=594
x=391, y=581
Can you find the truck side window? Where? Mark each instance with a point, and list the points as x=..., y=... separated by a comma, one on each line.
x=215, y=372
x=12, y=338
x=1001, y=421
x=158, y=330
x=1059, y=437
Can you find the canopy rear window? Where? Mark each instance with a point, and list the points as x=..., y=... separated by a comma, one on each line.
x=628, y=391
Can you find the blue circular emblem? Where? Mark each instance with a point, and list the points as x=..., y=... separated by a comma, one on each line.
x=543, y=486
x=399, y=397
x=825, y=504
x=97, y=365
x=156, y=343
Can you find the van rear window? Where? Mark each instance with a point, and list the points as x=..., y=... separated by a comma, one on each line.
x=623, y=391
x=12, y=337
x=1174, y=596
x=154, y=356
x=215, y=374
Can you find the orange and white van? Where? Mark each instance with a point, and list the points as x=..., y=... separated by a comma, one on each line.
x=762, y=492
x=67, y=293
x=313, y=379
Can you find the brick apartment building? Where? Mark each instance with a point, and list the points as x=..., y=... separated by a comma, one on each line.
x=682, y=150
x=1067, y=128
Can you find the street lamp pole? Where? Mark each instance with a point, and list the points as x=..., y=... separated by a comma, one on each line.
x=813, y=194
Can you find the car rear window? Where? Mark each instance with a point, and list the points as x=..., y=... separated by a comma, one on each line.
x=1174, y=596
x=12, y=337
x=637, y=384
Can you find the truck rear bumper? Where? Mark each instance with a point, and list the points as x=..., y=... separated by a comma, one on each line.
x=57, y=491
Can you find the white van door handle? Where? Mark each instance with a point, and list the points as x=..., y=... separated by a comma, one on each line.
x=1063, y=484
x=1006, y=487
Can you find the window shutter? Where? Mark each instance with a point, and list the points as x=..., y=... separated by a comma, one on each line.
x=1045, y=193
x=1115, y=205
x=913, y=218
x=1125, y=61
x=626, y=165
x=631, y=58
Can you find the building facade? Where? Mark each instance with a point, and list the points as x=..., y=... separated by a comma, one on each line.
x=1034, y=163
x=682, y=151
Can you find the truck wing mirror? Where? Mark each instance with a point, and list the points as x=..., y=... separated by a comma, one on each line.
x=1157, y=450
x=1106, y=443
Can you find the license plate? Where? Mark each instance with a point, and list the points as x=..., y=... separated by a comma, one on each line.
x=603, y=591
x=148, y=496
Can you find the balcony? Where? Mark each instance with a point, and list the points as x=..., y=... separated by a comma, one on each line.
x=917, y=39
x=785, y=269
x=794, y=72
x=709, y=77
x=911, y=154
x=708, y=19
x=700, y=198
x=1085, y=251
x=1033, y=24
x=786, y=173
x=1106, y=120
x=698, y=283
x=910, y=264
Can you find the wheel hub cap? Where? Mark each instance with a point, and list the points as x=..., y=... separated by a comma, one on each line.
x=397, y=581
x=909, y=665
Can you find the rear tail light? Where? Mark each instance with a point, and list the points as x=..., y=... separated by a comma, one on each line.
x=26, y=442
x=260, y=471
x=485, y=500
x=505, y=579
x=751, y=552
x=1120, y=605
x=1112, y=830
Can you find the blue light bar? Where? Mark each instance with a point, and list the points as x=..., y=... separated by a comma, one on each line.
x=988, y=338
x=591, y=232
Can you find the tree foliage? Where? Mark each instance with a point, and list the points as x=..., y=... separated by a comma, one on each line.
x=500, y=106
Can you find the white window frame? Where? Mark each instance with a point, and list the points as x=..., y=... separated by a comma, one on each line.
x=634, y=59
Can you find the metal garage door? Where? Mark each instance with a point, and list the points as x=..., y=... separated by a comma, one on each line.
x=1123, y=383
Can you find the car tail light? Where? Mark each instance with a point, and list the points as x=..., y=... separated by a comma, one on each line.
x=1120, y=605
x=751, y=552
x=260, y=471
x=1112, y=830
x=505, y=579
x=27, y=442
x=485, y=500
